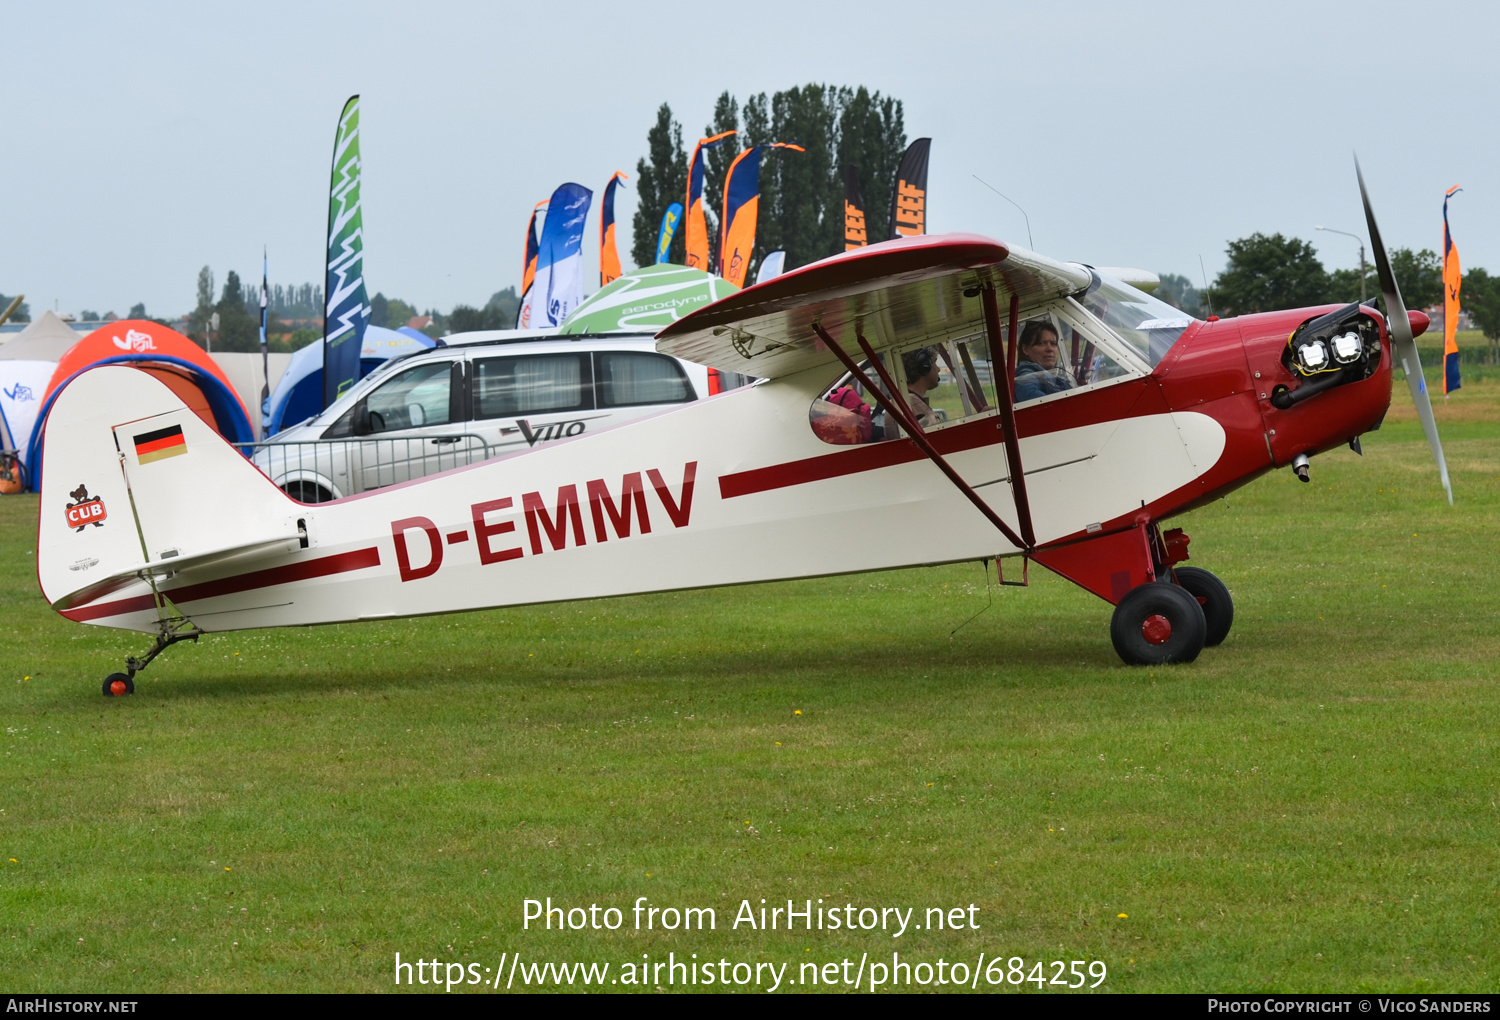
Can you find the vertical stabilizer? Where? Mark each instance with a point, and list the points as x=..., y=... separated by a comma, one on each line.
x=135, y=483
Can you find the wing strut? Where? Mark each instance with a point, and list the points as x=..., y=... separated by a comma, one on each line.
x=901, y=413
x=1005, y=396
x=1015, y=344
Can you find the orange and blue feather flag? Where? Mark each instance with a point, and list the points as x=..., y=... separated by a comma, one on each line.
x=741, y=210
x=697, y=225
x=1452, y=280
x=528, y=271
x=609, y=255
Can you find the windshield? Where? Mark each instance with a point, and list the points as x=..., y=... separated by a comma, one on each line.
x=1148, y=324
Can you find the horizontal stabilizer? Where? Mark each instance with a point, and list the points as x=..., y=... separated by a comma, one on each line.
x=894, y=293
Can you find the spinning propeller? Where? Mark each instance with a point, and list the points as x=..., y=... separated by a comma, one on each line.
x=1401, y=336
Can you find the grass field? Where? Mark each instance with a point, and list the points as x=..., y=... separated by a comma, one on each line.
x=1313, y=806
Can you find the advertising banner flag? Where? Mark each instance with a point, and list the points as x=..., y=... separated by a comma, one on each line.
x=697, y=225
x=741, y=210
x=265, y=350
x=669, y=221
x=528, y=270
x=346, y=310
x=609, y=256
x=1452, y=279
x=909, y=196
x=855, y=234
x=558, y=286
x=771, y=266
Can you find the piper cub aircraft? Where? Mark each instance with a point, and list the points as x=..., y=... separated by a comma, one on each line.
x=927, y=400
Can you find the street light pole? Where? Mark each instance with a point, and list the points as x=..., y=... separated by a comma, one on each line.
x=1361, y=241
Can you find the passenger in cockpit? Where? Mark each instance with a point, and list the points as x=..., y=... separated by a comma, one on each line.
x=922, y=377
x=1038, y=371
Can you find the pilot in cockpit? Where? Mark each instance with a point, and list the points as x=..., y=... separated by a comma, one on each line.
x=1038, y=371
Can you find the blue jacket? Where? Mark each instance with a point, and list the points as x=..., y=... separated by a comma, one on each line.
x=1032, y=381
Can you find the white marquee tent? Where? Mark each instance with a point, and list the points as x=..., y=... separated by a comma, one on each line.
x=27, y=361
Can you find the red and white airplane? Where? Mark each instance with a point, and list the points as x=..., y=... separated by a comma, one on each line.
x=927, y=400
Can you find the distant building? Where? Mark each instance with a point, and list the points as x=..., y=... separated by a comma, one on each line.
x=1435, y=313
x=81, y=328
x=419, y=322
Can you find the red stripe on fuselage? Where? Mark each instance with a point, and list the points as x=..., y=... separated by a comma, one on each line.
x=358, y=559
x=1110, y=403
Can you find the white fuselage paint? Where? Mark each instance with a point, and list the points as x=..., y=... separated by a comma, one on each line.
x=901, y=515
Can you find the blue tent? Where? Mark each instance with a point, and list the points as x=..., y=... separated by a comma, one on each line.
x=299, y=394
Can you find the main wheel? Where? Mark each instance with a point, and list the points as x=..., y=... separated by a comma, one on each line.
x=118, y=685
x=1157, y=623
x=1213, y=596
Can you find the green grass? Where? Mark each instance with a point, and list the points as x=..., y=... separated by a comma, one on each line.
x=1312, y=806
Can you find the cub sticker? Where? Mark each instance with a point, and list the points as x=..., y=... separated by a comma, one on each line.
x=85, y=510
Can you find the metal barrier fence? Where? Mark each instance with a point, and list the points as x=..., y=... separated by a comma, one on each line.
x=313, y=470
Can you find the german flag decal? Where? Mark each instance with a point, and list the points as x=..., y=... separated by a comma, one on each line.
x=160, y=445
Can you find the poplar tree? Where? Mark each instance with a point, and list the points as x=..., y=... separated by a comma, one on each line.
x=661, y=179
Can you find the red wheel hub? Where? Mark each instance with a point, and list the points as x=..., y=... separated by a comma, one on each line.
x=117, y=688
x=1157, y=629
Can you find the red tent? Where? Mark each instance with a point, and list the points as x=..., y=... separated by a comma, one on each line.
x=163, y=353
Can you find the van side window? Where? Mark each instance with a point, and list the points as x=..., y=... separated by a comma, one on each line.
x=531, y=384
x=630, y=378
x=416, y=397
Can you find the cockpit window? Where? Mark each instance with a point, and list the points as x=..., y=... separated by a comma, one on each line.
x=1148, y=324
x=1059, y=352
x=1062, y=350
x=941, y=383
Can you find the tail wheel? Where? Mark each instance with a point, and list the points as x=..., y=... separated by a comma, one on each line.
x=1213, y=596
x=118, y=685
x=1158, y=623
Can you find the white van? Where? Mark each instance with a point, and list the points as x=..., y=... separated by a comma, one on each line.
x=479, y=395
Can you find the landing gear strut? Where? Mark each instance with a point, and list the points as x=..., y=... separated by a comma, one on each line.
x=120, y=684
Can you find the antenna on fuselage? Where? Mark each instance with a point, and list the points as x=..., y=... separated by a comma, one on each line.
x=1029, y=242
x=1207, y=294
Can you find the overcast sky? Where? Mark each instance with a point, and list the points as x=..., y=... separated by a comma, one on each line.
x=142, y=144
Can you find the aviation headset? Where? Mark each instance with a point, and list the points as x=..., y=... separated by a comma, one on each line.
x=918, y=363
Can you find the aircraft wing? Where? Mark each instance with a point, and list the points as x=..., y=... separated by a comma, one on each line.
x=894, y=293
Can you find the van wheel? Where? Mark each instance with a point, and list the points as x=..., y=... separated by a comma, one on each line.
x=307, y=492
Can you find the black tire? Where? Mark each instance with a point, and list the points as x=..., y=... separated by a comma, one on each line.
x=1158, y=623
x=1213, y=596
x=307, y=492
x=114, y=678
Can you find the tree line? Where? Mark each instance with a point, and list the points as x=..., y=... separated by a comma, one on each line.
x=294, y=314
x=801, y=207
x=1265, y=272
